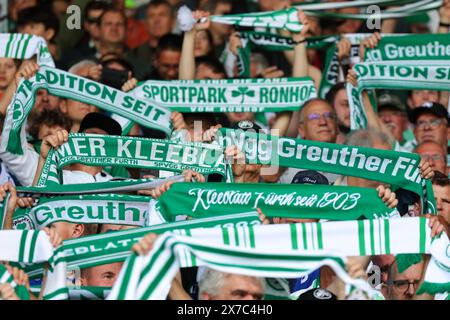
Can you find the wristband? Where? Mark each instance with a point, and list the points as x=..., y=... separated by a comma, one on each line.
x=298, y=42
x=442, y=24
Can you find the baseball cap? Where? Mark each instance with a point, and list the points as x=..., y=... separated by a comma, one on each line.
x=317, y=294
x=100, y=121
x=247, y=125
x=309, y=177
x=431, y=107
x=387, y=100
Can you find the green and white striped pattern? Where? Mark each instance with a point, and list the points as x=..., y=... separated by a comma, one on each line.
x=437, y=275
x=351, y=238
x=6, y=277
x=24, y=246
x=25, y=46
x=112, y=247
x=34, y=247
x=149, y=277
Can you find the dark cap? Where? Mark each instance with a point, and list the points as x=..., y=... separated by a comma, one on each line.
x=430, y=107
x=100, y=121
x=309, y=177
x=391, y=101
x=317, y=294
x=247, y=125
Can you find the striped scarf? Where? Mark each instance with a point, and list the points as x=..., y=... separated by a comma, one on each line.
x=101, y=150
x=398, y=75
x=25, y=46
x=149, y=277
x=32, y=247
x=108, y=208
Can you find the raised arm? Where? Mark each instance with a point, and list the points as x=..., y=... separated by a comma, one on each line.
x=187, y=61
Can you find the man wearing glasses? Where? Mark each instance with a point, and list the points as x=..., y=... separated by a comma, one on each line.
x=431, y=121
x=435, y=154
x=402, y=285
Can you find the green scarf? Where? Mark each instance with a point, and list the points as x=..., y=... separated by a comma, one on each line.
x=25, y=46
x=100, y=150
x=428, y=47
x=275, y=200
x=396, y=75
x=115, y=246
x=230, y=95
x=398, y=169
x=127, y=185
x=63, y=84
x=107, y=208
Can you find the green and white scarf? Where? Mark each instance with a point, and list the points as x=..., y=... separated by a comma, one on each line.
x=275, y=200
x=25, y=46
x=32, y=247
x=115, y=246
x=127, y=185
x=350, y=238
x=6, y=277
x=437, y=275
x=282, y=19
x=149, y=277
x=398, y=169
x=107, y=208
x=408, y=8
x=396, y=75
x=428, y=47
x=66, y=85
x=229, y=95
x=133, y=152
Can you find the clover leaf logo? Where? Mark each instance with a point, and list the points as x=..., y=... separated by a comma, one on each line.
x=243, y=92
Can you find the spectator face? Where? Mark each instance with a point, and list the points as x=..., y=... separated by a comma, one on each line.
x=403, y=286
x=45, y=101
x=76, y=110
x=204, y=72
x=419, y=97
x=159, y=21
x=434, y=154
x=102, y=276
x=238, y=287
x=91, y=24
x=395, y=120
x=342, y=108
x=202, y=44
x=7, y=71
x=318, y=122
x=442, y=196
x=429, y=127
x=167, y=64
x=112, y=28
